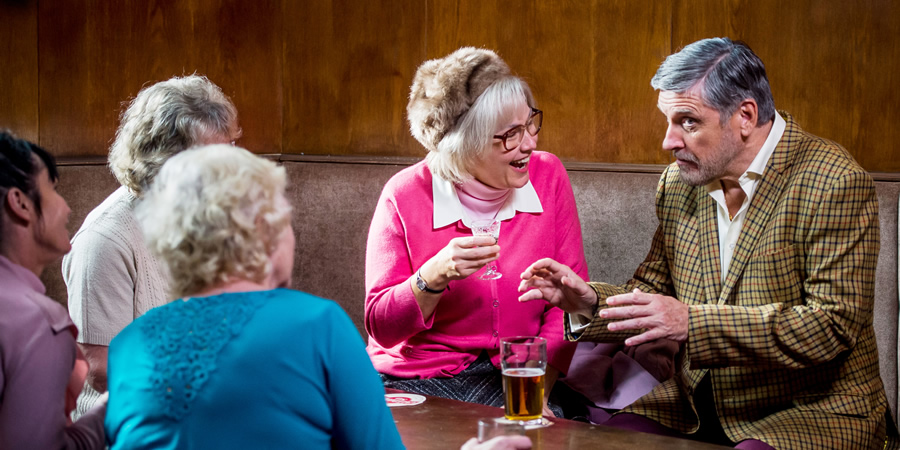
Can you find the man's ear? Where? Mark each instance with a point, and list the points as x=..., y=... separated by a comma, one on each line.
x=748, y=112
x=19, y=206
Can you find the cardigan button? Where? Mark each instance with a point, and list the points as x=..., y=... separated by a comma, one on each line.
x=496, y=333
x=496, y=303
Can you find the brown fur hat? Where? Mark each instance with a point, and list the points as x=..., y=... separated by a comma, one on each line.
x=445, y=88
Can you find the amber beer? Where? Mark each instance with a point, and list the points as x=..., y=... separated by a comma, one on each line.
x=523, y=362
x=523, y=389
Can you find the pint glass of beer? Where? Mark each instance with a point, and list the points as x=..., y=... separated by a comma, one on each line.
x=523, y=360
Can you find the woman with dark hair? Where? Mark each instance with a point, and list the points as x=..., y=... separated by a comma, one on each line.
x=41, y=369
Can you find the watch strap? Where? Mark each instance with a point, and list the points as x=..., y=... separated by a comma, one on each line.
x=423, y=286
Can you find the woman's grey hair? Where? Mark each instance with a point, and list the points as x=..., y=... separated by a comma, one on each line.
x=730, y=73
x=472, y=137
x=214, y=216
x=164, y=119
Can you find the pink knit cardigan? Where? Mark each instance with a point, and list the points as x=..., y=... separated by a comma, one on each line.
x=473, y=314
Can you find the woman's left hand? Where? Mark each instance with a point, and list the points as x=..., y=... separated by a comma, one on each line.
x=547, y=411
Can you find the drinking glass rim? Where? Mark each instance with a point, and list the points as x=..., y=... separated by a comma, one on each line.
x=484, y=222
x=513, y=339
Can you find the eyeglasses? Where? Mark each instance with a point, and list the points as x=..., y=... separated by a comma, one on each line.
x=513, y=138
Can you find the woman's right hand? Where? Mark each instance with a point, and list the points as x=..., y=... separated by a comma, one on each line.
x=460, y=258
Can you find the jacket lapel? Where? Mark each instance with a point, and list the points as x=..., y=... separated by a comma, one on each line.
x=695, y=266
x=764, y=200
x=708, y=233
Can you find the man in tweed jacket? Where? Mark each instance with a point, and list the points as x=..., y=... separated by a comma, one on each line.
x=762, y=268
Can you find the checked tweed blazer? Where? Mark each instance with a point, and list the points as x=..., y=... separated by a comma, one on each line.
x=787, y=340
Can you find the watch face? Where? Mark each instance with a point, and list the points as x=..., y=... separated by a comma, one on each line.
x=420, y=283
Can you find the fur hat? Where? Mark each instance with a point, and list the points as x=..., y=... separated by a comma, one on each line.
x=445, y=88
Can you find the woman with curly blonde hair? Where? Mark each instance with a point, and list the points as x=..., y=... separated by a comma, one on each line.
x=237, y=361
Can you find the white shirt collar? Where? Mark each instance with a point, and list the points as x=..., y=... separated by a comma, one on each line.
x=750, y=177
x=730, y=228
x=762, y=158
x=448, y=209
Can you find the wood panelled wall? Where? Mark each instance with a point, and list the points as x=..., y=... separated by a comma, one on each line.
x=331, y=77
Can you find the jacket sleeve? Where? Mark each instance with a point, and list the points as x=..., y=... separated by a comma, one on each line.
x=651, y=276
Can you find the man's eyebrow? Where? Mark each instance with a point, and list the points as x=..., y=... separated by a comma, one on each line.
x=684, y=110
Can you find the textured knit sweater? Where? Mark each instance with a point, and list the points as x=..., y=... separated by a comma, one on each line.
x=110, y=275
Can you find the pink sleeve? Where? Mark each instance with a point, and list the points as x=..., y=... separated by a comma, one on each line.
x=34, y=386
x=392, y=314
x=569, y=251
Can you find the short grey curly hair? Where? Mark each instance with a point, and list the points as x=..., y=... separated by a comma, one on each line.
x=164, y=119
x=214, y=215
x=730, y=73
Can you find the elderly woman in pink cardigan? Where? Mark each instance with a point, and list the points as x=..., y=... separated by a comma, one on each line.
x=434, y=326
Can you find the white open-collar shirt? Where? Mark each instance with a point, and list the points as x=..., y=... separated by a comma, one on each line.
x=730, y=229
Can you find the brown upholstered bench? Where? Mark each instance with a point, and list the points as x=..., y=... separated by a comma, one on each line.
x=334, y=199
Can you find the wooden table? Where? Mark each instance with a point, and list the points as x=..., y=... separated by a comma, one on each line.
x=440, y=423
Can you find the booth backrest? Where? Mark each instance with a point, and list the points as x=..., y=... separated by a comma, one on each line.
x=334, y=200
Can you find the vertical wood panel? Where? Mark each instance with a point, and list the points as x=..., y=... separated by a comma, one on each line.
x=333, y=76
x=832, y=64
x=604, y=89
x=96, y=55
x=588, y=63
x=348, y=65
x=18, y=58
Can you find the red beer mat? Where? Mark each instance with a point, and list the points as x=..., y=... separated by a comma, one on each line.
x=403, y=399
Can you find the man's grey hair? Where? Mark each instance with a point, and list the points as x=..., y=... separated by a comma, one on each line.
x=730, y=73
x=165, y=119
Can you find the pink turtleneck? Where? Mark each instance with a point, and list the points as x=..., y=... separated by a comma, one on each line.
x=480, y=201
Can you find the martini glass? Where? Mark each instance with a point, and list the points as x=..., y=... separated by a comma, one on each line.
x=488, y=227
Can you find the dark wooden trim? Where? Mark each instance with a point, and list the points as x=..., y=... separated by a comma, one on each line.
x=408, y=161
x=885, y=176
x=84, y=161
x=655, y=169
x=101, y=161
x=351, y=159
